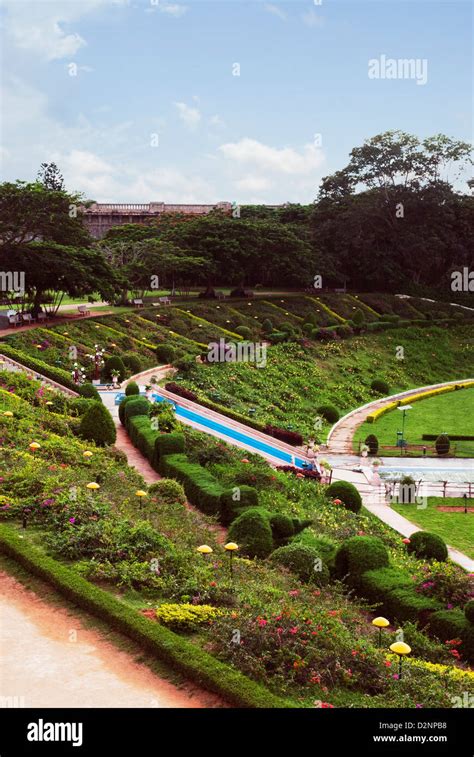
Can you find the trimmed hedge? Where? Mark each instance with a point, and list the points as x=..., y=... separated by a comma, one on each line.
x=56, y=374
x=178, y=653
x=165, y=353
x=89, y=391
x=290, y=437
x=380, y=386
x=136, y=406
x=142, y=436
x=406, y=604
x=453, y=624
x=469, y=611
x=121, y=408
x=132, y=389
x=181, y=391
x=97, y=425
x=359, y=554
x=252, y=532
x=375, y=585
x=202, y=489
x=167, y=444
x=347, y=493
x=329, y=413
x=428, y=546
x=231, y=508
x=302, y=560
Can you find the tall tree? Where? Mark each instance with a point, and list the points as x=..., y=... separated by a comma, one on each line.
x=50, y=176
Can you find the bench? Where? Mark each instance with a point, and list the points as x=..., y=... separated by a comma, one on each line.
x=83, y=310
x=164, y=301
x=137, y=303
x=221, y=296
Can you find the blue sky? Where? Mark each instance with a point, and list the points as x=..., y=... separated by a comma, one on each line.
x=154, y=111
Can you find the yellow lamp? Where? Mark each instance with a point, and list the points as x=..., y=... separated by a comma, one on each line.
x=205, y=549
x=8, y=414
x=140, y=493
x=380, y=623
x=230, y=548
x=49, y=403
x=87, y=453
x=401, y=649
x=34, y=446
x=92, y=485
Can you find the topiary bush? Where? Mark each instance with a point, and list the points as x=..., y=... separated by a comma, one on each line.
x=358, y=318
x=244, y=332
x=329, y=413
x=282, y=527
x=114, y=365
x=427, y=546
x=168, y=491
x=469, y=611
x=235, y=500
x=406, y=604
x=132, y=388
x=373, y=444
x=453, y=624
x=165, y=353
x=347, y=493
x=253, y=533
x=304, y=561
x=98, y=426
x=380, y=386
x=186, y=617
x=121, y=408
x=375, y=585
x=132, y=362
x=267, y=326
x=89, y=391
x=442, y=444
x=136, y=406
x=359, y=554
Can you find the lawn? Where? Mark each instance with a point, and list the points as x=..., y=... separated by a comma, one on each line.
x=449, y=413
x=456, y=528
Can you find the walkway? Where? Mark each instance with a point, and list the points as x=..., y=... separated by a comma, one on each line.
x=53, y=658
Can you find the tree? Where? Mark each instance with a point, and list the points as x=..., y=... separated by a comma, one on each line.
x=50, y=176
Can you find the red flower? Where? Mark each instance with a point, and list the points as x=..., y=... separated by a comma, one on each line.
x=213, y=583
x=293, y=630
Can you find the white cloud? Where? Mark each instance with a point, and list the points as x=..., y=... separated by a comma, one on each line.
x=171, y=9
x=41, y=28
x=285, y=160
x=312, y=19
x=190, y=116
x=253, y=184
x=275, y=10
x=216, y=121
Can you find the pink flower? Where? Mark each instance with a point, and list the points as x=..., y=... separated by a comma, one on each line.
x=337, y=501
x=293, y=593
x=262, y=622
x=72, y=520
x=406, y=541
x=293, y=630
x=396, y=676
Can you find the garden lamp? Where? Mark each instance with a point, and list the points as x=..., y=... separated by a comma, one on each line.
x=87, y=453
x=34, y=446
x=8, y=414
x=205, y=549
x=401, y=649
x=231, y=547
x=140, y=493
x=380, y=623
x=93, y=486
x=403, y=410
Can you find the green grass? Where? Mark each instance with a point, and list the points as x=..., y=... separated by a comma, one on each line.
x=457, y=528
x=451, y=413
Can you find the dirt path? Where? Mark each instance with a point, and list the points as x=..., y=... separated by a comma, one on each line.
x=50, y=659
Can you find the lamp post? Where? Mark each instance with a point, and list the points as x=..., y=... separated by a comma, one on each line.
x=204, y=550
x=380, y=623
x=231, y=547
x=403, y=410
x=401, y=649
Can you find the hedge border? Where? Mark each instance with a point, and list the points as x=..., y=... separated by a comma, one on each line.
x=180, y=654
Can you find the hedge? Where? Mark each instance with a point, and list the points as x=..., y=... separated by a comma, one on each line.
x=55, y=374
x=374, y=585
x=453, y=624
x=167, y=444
x=142, y=436
x=452, y=437
x=178, y=653
x=231, y=507
x=359, y=554
x=290, y=437
x=202, y=489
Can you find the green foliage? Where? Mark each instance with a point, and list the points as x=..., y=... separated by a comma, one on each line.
x=376, y=584
x=358, y=318
x=373, y=444
x=453, y=624
x=380, y=386
x=304, y=561
x=244, y=332
x=202, y=489
x=282, y=527
x=167, y=491
x=97, y=425
x=178, y=653
x=267, y=326
x=167, y=444
x=187, y=618
x=358, y=555
x=253, y=533
x=122, y=406
x=89, y=391
x=165, y=353
x=132, y=388
x=469, y=610
x=132, y=362
x=135, y=406
x=406, y=604
x=329, y=413
x=428, y=546
x=347, y=493
x=234, y=500
x=114, y=365
x=442, y=444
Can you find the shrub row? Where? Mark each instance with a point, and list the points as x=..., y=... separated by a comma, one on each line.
x=416, y=397
x=290, y=437
x=202, y=489
x=178, y=653
x=181, y=391
x=452, y=437
x=453, y=624
x=55, y=374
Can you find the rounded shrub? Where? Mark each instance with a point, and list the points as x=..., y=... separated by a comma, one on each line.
x=329, y=412
x=234, y=501
x=442, y=444
x=186, y=364
x=359, y=554
x=307, y=329
x=168, y=491
x=114, y=365
x=304, y=561
x=380, y=386
x=132, y=362
x=428, y=546
x=132, y=388
x=244, y=332
x=282, y=526
x=165, y=353
x=121, y=408
x=97, y=425
x=89, y=391
x=469, y=611
x=267, y=326
x=136, y=406
x=358, y=318
x=347, y=493
x=373, y=444
x=252, y=532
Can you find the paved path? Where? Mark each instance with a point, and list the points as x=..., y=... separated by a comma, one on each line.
x=52, y=659
x=340, y=436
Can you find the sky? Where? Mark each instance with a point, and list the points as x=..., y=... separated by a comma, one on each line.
x=201, y=102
